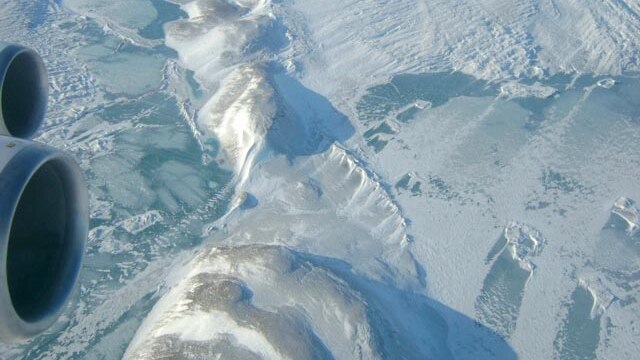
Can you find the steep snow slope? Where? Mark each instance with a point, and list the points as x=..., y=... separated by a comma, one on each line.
x=354, y=40
x=271, y=302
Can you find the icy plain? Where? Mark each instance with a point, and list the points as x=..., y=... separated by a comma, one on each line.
x=371, y=179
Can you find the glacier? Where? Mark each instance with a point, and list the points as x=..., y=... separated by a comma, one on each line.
x=367, y=179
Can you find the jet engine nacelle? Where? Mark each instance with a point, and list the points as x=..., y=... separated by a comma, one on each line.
x=43, y=204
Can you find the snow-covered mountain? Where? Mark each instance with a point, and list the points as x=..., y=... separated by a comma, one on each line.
x=372, y=179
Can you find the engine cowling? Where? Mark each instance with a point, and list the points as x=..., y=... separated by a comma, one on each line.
x=23, y=91
x=43, y=204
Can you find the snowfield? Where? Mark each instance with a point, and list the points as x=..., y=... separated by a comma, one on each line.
x=371, y=179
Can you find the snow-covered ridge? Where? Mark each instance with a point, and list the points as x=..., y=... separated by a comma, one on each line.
x=217, y=35
x=295, y=187
x=239, y=115
x=298, y=199
x=271, y=302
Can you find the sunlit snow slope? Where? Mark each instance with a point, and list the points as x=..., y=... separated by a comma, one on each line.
x=364, y=179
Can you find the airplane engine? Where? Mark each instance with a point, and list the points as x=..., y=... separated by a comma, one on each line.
x=43, y=204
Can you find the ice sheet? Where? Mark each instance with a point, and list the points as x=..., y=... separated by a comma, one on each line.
x=372, y=179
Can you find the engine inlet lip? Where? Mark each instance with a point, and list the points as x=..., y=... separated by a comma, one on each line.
x=14, y=178
x=13, y=56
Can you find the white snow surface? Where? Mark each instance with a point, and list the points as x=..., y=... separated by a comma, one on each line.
x=490, y=39
x=371, y=179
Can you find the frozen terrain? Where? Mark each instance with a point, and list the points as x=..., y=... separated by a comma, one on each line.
x=366, y=179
